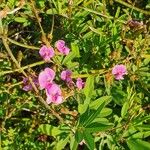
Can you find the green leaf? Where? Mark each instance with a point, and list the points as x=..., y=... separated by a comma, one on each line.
x=83, y=117
x=143, y=127
x=141, y=135
x=83, y=107
x=79, y=135
x=101, y=120
x=124, y=109
x=49, y=130
x=98, y=31
x=94, y=114
x=88, y=89
x=75, y=49
x=142, y=73
x=73, y=143
x=89, y=86
x=95, y=104
x=51, y=11
x=141, y=120
x=20, y=19
x=129, y=132
x=62, y=143
x=135, y=144
x=89, y=140
x=105, y=112
x=97, y=127
x=117, y=12
x=69, y=57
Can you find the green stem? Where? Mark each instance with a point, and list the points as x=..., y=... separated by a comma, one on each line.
x=22, y=45
x=1, y=26
x=101, y=14
x=93, y=72
x=23, y=68
x=133, y=7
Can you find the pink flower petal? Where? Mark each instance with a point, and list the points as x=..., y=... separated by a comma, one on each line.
x=46, y=77
x=52, y=89
x=79, y=83
x=66, y=50
x=119, y=71
x=60, y=44
x=46, y=52
x=62, y=48
x=66, y=75
x=53, y=93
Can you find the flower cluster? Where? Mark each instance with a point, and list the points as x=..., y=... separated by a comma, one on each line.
x=66, y=76
x=48, y=52
x=53, y=91
x=47, y=76
x=119, y=71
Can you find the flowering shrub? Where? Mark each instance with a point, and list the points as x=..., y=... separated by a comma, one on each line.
x=87, y=91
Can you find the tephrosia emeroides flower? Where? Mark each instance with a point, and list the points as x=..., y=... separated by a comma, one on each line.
x=46, y=52
x=46, y=77
x=62, y=48
x=80, y=83
x=119, y=71
x=66, y=75
x=54, y=94
x=53, y=91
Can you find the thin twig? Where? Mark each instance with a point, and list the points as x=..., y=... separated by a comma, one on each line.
x=23, y=68
x=44, y=39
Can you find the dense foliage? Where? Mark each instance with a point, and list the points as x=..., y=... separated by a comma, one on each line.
x=74, y=74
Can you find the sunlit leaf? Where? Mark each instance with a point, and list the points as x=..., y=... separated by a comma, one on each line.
x=135, y=144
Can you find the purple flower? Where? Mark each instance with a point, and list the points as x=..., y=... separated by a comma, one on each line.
x=27, y=85
x=80, y=83
x=46, y=77
x=46, y=52
x=66, y=75
x=53, y=93
x=119, y=71
x=62, y=48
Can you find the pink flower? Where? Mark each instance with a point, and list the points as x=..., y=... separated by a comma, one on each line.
x=46, y=52
x=46, y=77
x=80, y=83
x=62, y=48
x=66, y=75
x=119, y=71
x=53, y=93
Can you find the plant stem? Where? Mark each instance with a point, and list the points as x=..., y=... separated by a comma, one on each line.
x=44, y=39
x=133, y=7
x=23, y=68
x=22, y=45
